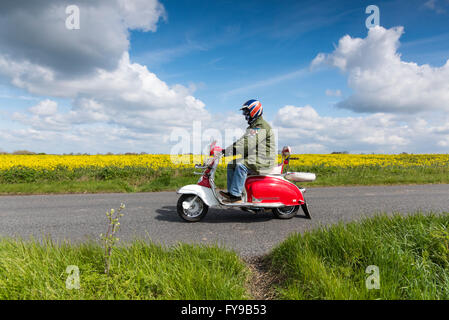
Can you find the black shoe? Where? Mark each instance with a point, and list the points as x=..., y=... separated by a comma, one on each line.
x=233, y=199
x=227, y=195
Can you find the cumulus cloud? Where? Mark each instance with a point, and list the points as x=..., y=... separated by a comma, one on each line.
x=91, y=68
x=44, y=108
x=39, y=35
x=91, y=139
x=130, y=96
x=84, y=129
x=141, y=14
x=309, y=132
x=381, y=81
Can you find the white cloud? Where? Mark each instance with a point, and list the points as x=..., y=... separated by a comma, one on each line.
x=45, y=108
x=381, y=81
x=141, y=14
x=308, y=132
x=305, y=129
x=40, y=37
x=434, y=5
x=120, y=95
x=130, y=96
x=91, y=139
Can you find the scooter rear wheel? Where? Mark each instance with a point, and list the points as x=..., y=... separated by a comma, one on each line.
x=193, y=213
x=285, y=212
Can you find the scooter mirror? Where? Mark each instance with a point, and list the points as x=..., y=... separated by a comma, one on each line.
x=286, y=151
x=214, y=148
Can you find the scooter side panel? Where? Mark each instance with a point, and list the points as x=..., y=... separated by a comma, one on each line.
x=204, y=193
x=267, y=189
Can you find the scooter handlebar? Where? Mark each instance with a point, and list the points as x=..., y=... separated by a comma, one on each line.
x=215, y=150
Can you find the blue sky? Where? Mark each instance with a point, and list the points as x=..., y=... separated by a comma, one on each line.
x=223, y=46
x=218, y=54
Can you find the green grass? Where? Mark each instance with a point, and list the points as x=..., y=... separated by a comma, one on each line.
x=412, y=254
x=377, y=175
x=130, y=179
x=34, y=270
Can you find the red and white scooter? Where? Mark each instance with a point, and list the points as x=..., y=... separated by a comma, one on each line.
x=273, y=190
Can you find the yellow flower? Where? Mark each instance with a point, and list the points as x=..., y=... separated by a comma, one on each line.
x=156, y=161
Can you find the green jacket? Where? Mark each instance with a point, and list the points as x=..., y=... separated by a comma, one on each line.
x=257, y=146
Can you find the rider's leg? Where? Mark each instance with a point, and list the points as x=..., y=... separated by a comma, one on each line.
x=230, y=175
x=238, y=180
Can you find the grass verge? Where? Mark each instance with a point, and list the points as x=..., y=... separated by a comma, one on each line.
x=129, y=179
x=412, y=254
x=33, y=270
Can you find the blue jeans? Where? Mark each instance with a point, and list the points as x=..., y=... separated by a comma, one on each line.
x=236, y=178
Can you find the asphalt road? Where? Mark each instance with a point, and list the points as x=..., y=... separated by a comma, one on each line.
x=79, y=217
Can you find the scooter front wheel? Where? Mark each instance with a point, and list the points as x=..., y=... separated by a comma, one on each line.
x=285, y=212
x=191, y=208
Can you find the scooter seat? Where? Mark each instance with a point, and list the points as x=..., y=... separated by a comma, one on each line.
x=272, y=171
x=300, y=176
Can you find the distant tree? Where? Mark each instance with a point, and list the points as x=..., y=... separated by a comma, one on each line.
x=23, y=152
x=340, y=152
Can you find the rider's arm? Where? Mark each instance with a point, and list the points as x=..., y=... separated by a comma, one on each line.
x=238, y=146
x=248, y=142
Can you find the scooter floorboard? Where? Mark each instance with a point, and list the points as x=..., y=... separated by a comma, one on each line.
x=253, y=205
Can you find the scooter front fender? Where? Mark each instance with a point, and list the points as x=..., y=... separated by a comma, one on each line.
x=204, y=193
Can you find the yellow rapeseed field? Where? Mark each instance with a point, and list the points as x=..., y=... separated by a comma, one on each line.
x=50, y=162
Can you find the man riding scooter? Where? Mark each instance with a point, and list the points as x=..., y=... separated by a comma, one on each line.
x=267, y=187
x=257, y=148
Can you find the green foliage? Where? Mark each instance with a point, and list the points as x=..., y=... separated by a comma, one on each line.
x=412, y=254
